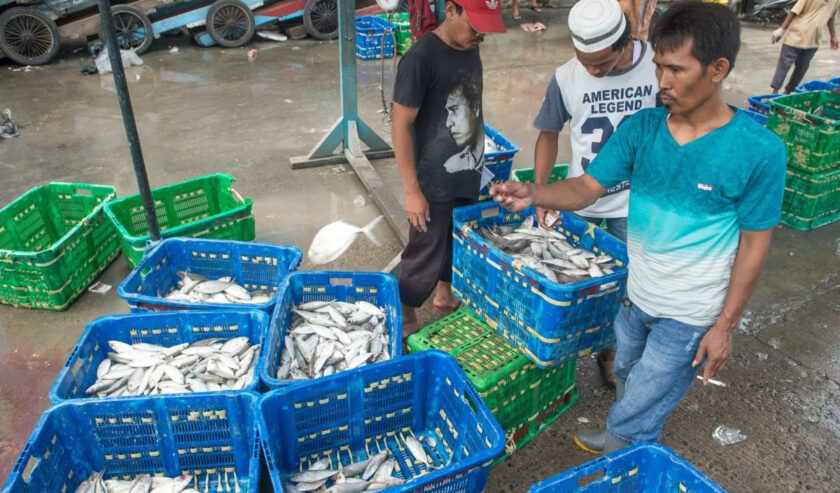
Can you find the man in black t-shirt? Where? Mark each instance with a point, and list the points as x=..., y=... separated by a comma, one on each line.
x=438, y=136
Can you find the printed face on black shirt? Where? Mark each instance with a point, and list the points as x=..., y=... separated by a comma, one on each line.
x=463, y=118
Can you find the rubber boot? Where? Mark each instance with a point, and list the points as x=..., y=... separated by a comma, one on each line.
x=593, y=440
x=613, y=443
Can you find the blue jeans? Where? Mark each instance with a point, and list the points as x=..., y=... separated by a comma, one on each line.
x=654, y=361
x=616, y=226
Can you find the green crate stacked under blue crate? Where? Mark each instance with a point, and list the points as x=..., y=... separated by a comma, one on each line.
x=809, y=124
x=523, y=398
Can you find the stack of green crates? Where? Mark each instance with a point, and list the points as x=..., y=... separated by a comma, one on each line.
x=402, y=30
x=809, y=124
x=523, y=398
x=54, y=242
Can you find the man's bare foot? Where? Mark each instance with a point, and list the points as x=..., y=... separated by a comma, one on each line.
x=444, y=301
x=410, y=323
x=516, y=15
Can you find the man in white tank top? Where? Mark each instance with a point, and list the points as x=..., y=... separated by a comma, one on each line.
x=611, y=77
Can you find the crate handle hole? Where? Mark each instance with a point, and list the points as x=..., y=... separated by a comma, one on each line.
x=84, y=191
x=78, y=364
x=493, y=211
x=31, y=464
x=341, y=281
x=591, y=477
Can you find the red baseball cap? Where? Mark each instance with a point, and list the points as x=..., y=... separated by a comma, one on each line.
x=485, y=16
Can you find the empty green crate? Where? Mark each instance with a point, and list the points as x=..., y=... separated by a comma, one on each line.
x=204, y=207
x=54, y=241
x=523, y=398
x=526, y=175
x=808, y=122
x=806, y=160
x=810, y=195
x=807, y=223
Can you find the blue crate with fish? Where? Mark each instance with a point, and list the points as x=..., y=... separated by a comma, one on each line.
x=374, y=292
x=761, y=104
x=550, y=322
x=158, y=283
x=88, y=361
x=498, y=158
x=371, y=33
x=416, y=420
x=816, y=85
x=211, y=437
x=641, y=468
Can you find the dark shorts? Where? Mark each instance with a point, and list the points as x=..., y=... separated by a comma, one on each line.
x=427, y=259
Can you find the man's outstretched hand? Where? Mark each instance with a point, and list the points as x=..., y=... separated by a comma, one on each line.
x=512, y=195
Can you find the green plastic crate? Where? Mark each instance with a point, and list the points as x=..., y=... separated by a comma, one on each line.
x=812, y=162
x=805, y=224
x=402, y=30
x=54, y=242
x=204, y=207
x=526, y=175
x=811, y=195
x=809, y=123
x=523, y=398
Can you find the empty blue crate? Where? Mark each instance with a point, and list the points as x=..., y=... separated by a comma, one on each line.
x=301, y=287
x=816, y=85
x=353, y=415
x=550, y=322
x=212, y=437
x=255, y=266
x=641, y=468
x=761, y=104
x=761, y=118
x=371, y=33
x=500, y=161
x=164, y=329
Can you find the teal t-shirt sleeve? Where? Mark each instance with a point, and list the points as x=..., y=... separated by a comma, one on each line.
x=614, y=162
x=760, y=206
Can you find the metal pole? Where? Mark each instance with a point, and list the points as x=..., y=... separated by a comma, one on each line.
x=128, y=117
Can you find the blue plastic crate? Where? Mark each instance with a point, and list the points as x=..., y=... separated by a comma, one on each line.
x=549, y=322
x=816, y=85
x=499, y=163
x=371, y=32
x=374, y=287
x=352, y=415
x=639, y=468
x=255, y=266
x=761, y=104
x=165, y=329
x=755, y=115
x=168, y=435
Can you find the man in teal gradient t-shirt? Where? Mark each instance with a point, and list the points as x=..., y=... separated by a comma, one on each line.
x=707, y=191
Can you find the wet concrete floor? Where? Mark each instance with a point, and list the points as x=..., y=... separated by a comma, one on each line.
x=207, y=110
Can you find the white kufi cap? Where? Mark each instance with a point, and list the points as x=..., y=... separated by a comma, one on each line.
x=596, y=24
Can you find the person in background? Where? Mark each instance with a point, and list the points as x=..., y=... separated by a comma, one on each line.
x=438, y=135
x=517, y=16
x=801, y=30
x=640, y=13
x=702, y=211
x=611, y=77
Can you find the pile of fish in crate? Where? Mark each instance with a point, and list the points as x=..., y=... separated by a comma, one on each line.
x=534, y=300
x=251, y=359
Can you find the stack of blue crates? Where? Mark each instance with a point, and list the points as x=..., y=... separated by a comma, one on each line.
x=371, y=33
